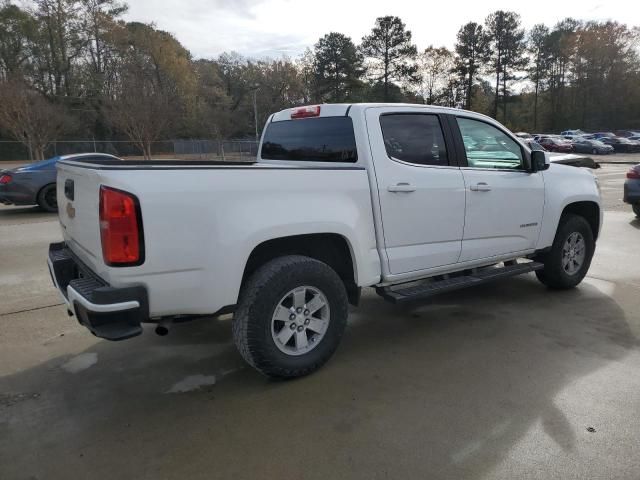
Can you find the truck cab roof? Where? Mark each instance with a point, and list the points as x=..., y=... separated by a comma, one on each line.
x=343, y=109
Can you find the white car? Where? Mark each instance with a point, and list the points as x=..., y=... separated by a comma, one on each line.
x=573, y=133
x=413, y=200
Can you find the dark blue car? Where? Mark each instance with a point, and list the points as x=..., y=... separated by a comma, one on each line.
x=632, y=189
x=36, y=183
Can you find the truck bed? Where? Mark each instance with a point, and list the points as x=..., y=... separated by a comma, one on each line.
x=202, y=219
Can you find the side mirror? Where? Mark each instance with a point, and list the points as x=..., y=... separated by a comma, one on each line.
x=539, y=161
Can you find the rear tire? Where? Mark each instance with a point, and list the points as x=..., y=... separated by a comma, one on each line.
x=286, y=288
x=636, y=209
x=568, y=261
x=594, y=151
x=47, y=198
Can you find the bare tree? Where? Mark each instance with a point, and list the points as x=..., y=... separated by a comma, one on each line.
x=142, y=115
x=30, y=118
x=434, y=66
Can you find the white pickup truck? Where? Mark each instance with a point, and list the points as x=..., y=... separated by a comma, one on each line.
x=412, y=200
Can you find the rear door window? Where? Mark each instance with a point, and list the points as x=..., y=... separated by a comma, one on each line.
x=414, y=138
x=323, y=139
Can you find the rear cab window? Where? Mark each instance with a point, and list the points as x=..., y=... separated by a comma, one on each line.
x=321, y=139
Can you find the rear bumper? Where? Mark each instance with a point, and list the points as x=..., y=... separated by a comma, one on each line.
x=108, y=312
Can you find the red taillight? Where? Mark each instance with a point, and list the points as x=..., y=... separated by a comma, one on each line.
x=120, y=228
x=634, y=173
x=306, y=112
x=4, y=179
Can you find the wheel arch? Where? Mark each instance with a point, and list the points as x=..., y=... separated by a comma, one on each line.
x=331, y=248
x=588, y=210
x=39, y=190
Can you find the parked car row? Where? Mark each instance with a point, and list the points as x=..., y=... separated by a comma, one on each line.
x=599, y=143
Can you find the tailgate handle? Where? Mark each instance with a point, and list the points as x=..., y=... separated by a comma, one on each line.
x=69, y=190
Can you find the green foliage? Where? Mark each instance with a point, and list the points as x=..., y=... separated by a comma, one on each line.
x=472, y=49
x=538, y=63
x=337, y=69
x=107, y=78
x=506, y=47
x=17, y=36
x=390, y=53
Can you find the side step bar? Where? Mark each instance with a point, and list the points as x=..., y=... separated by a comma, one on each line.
x=444, y=283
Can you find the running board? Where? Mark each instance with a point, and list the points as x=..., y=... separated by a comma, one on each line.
x=445, y=283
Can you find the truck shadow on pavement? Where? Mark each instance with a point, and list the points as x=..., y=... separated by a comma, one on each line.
x=439, y=389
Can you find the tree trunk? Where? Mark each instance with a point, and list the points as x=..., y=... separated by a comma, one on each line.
x=495, y=100
x=147, y=150
x=39, y=153
x=535, y=105
x=386, y=82
x=504, y=95
x=469, y=91
x=386, y=71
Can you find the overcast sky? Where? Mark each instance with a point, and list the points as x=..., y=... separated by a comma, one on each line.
x=272, y=28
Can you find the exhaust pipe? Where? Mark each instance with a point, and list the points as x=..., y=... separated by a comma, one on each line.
x=163, y=328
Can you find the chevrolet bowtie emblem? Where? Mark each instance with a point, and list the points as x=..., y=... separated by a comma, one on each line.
x=71, y=212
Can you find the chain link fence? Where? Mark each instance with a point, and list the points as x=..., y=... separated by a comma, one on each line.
x=222, y=150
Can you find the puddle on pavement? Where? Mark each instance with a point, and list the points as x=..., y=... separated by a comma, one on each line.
x=81, y=362
x=192, y=383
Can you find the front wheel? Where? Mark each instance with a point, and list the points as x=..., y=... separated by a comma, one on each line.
x=47, y=198
x=291, y=316
x=594, y=151
x=568, y=261
x=636, y=209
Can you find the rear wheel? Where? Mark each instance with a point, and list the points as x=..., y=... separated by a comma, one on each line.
x=636, y=209
x=47, y=198
x=594, y=151
x=568, y=261
x=291, y=316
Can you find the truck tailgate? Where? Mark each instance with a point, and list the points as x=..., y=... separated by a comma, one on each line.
x=78, y=200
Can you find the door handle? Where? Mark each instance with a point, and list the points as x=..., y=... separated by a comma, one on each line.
x=401, y=187
x=480, y=187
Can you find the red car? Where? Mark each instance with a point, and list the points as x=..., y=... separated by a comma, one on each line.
x=556, y=145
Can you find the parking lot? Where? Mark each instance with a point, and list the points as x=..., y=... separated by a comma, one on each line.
x=507, y=380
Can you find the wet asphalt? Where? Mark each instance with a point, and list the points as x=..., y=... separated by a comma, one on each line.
x=507, y=380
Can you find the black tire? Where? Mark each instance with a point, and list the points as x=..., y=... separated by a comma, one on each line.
x=554, y=275
x=47, y=198
x=594, y=151
x=636, y=209
x=258, y=300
